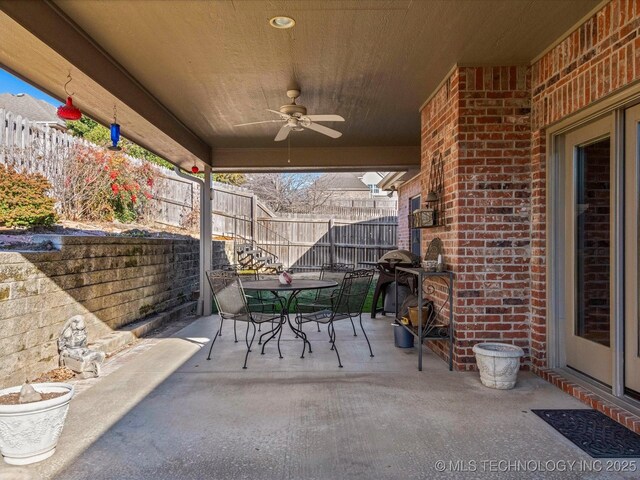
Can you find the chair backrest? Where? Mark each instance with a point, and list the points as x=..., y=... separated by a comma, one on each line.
x=228, y=293
x=353, y=292
x=334, y=272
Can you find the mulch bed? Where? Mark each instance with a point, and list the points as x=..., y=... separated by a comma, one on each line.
x=61, y=374
x=12, y=398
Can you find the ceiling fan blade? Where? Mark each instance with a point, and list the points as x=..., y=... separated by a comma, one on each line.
x=256, y=123
x=283, y=115
x=283, y=133
x=325, y=118
x=330, y=132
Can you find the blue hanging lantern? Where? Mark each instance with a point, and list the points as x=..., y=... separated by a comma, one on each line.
x=115, y=133
x=115, y=137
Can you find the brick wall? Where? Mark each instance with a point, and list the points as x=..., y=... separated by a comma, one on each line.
x=598, y=58
x=493, y=215
x=479, y=122
x=111, y=281
x=490, y=125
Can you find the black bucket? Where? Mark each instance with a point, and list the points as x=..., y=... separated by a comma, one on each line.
x=403, y=338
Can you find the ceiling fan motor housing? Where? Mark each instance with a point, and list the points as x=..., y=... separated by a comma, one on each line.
x=293, y=109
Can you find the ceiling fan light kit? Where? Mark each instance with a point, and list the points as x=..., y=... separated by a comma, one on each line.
x=295, y=119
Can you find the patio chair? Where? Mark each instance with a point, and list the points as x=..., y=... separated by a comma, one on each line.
x=348, y=303
x=231, y=303
x=335, y=272
x=256, y=303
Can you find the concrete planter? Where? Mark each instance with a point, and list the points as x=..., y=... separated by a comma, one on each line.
x=498, y=364
x=29, y=432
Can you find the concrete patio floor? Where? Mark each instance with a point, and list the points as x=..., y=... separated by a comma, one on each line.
x=164, y=412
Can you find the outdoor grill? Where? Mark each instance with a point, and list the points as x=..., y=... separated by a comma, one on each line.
x=387, y=265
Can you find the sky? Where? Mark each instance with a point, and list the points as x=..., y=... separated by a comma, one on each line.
x=11, y=84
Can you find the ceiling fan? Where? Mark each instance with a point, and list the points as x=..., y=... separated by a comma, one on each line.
x=296, y=119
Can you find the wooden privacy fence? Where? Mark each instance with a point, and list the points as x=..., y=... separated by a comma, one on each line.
x=313, y=242
x=349, y=230
x=306, y=240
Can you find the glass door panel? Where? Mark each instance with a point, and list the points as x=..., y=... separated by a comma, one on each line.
x=414, y=204
x=592, y=247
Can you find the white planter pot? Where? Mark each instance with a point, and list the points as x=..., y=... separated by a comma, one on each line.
x=498, y=364
x=29, y=432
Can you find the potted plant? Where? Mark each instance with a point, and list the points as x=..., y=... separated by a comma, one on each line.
x=498, y=364
x=31, y=420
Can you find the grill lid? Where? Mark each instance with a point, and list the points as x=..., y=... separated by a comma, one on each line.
x=404, y=257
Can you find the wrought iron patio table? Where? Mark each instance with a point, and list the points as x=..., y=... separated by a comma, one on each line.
x=278, y=289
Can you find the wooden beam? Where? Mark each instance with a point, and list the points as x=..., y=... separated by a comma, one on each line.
x=52, y=27
x=314, y=159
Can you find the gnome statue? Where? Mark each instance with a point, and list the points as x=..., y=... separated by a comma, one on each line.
x=74, y=353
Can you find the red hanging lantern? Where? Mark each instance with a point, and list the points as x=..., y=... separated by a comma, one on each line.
x=195, y=169
x=68, y=111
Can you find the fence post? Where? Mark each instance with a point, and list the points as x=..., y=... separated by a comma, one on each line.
x=332, y=243
x=254, y=216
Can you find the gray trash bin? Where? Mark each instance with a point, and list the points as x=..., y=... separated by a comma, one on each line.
x=390, y=296
x=402, y=337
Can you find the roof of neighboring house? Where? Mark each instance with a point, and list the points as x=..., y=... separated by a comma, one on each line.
x=343, y=181
x=31, y=108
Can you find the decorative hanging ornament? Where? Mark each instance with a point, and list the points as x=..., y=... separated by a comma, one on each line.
x=68, y=111
x=115, y=132
x=195, y=168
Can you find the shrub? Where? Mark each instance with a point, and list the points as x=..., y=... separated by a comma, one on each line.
x=101, y=185
x=23, y=199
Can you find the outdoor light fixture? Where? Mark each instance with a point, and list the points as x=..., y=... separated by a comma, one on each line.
x=115, y=133
x=68, y=111
x=282, y=22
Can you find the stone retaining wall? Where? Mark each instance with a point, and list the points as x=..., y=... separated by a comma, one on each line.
x=112, y=281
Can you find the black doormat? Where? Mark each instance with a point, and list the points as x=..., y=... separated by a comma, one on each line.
x=593, y=432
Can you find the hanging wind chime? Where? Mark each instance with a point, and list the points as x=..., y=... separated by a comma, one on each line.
x=115, y=132
x=68, y=111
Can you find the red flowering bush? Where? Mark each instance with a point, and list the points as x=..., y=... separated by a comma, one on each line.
x=102, y=185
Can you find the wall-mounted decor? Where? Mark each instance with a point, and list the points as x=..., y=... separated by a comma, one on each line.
x=432, y=214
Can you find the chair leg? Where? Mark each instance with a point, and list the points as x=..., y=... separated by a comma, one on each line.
x=318, y=323
x=280, y=335
x=246, y=338
x=366, y=338
x=235, y=333
x=354, y=327
x=253, y=336
x=333, y=343
x=217, y=334
x=273, y=333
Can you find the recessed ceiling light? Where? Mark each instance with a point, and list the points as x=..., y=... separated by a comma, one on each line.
x=282, y=22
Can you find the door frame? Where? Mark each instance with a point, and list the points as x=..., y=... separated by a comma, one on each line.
x=588, y=357
x=613, y=105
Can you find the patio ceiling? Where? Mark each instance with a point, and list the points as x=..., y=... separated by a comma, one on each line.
x=183, y=73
